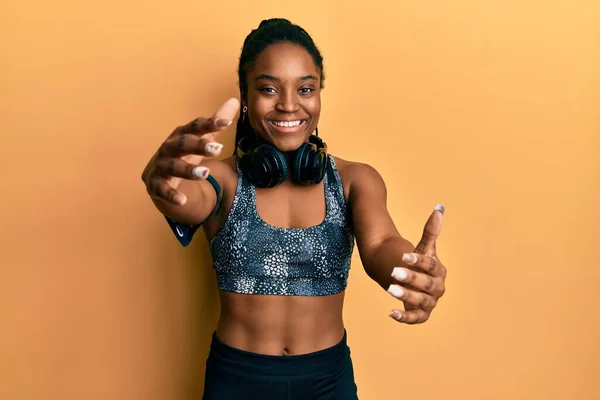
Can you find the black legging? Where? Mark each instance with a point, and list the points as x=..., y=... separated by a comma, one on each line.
x=233, y=374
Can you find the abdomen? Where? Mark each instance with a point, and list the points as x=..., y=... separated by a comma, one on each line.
x=280, y=325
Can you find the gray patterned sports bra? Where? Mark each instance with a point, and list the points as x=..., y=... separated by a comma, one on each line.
x=252, y=257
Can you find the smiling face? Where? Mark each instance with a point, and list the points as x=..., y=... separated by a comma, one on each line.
x=284, y=96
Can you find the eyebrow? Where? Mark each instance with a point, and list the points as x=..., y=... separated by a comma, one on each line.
x=275, y=79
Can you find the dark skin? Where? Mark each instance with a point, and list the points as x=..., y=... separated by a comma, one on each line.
x=285, y=85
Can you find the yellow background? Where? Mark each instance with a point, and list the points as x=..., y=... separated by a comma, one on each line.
x=491, y=107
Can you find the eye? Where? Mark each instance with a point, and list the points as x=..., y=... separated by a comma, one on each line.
x=269, y=90
x=306, y=90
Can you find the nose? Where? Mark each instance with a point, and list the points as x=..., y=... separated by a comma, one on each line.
x=287, y=102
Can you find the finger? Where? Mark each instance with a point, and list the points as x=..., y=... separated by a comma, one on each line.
x=419, y=299
x=228, y=110
x=431, y=231
x=170, y=149
x=416, y=316
x=428, y=264
x=220, y=120
x=160, y=188
x=419, y=281
x=176, y=167
x=188, y=144
x=202, y=126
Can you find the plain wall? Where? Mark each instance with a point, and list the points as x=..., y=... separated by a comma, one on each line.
x=491, y=108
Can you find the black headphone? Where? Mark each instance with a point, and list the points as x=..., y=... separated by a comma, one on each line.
x=266, y=167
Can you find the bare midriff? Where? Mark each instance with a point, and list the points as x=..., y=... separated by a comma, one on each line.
x=280, y=325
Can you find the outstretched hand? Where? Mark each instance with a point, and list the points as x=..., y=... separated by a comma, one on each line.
x=422, y=282
x=180, y=155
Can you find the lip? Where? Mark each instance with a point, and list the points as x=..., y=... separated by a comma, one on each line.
x=288, y=129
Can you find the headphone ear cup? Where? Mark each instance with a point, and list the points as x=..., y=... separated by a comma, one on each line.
x=319, y=165
x=310, y=163
x=321, y=159
x=271, y=167
x=265, y=166
x=301, y=170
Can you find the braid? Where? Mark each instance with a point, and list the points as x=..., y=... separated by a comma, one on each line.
x=242, y=129
x=269, y=31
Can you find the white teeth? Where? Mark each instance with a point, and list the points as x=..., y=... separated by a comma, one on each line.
x=287, y=124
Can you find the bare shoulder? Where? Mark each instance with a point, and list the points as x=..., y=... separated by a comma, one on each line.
x=358, y=176
x=224, y=171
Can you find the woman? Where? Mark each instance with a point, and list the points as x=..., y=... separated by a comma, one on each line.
x=282, y=216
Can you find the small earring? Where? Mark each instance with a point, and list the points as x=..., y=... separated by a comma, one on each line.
x=245, y=109
x=244, y=113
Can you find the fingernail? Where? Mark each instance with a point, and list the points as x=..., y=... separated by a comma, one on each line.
x=178, y=199
x=409, y=258
x=200, y=172
x=395, y=291
x=399, y=273
x=214, y=148
x=440, y=208
x=396, y=315
x=223, y=122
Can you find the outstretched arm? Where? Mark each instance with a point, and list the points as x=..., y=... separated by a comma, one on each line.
x=412, y=274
